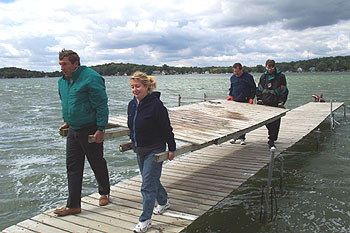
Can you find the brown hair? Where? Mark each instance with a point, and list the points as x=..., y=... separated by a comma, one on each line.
x=147, y=81
x=72, y=56
x=270, y=62
x=237, y=65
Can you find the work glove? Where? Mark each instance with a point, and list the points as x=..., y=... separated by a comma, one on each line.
x=251, y=101
x=230, y=98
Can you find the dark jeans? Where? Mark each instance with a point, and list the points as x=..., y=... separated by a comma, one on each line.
x=76, y=150
x=273, y=129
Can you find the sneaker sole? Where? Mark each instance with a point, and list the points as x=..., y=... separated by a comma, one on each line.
x=143, y=230
x=167, y=206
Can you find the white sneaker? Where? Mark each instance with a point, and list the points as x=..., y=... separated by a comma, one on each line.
x=242, y=141
x=142, y=226
x=233, y=141
x=161, y=208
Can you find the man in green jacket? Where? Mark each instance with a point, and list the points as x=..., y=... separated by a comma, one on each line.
x=272, y=91
x=85, y=111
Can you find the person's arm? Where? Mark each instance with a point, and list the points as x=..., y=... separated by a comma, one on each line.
x=130, y=123
x=99, y=101
x=259, y=90
x=62, y=85
x=252, y=87
x=165, y=125
x=282, y=98
x=230, y=94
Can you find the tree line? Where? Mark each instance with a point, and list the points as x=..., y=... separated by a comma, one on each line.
x=325, y=64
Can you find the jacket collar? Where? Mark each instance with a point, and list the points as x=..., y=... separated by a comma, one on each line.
x=76, y=73
x=273, y=75
x=149, y=97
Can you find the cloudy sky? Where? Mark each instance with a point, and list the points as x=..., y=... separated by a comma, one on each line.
x=173, y=32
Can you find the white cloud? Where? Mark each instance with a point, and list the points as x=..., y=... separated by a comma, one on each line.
x=174, y=32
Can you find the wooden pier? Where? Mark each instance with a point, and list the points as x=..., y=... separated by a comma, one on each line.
x=198, y=180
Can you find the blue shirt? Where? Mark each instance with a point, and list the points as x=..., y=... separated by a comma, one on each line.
x=242, y=88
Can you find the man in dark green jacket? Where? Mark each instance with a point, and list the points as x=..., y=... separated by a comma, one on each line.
x=272, y=91
x=84, y=111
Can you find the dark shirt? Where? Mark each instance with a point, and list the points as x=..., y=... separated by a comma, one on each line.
x=242, y=88
x=149, y=122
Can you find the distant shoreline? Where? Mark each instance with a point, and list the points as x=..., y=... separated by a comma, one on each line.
x=325, y=64
x=309, y=72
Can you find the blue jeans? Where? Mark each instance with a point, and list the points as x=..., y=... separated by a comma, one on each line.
x=151, y=187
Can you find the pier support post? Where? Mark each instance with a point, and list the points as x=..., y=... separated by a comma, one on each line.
x=281, y=159
x=318, y=139
x=332, y=116
x=179, y=100
x=267, y=206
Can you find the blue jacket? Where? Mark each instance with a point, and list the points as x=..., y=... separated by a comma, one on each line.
x=84, y=99
x=149, y=122
x=242, y=88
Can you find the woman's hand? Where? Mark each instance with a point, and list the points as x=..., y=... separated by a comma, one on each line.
x=171, y=155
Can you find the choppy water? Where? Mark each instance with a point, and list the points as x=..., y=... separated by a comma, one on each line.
x=316, y=183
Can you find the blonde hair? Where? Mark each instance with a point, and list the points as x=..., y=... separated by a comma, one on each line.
x=147, y=81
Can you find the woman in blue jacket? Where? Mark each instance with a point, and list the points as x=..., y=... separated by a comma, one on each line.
x=150, y=131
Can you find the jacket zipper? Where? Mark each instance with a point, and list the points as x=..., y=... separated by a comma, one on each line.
x=134, y=122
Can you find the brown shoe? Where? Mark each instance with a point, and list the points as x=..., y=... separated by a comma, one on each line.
x=104, y=200
x=67, y=211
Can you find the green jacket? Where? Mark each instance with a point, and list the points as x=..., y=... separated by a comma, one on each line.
x=84, y=99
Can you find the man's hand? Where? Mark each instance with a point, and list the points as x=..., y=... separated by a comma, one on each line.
x=281, y=105
x=99, y=135
x=64, y=126
x=230, y=98
x=171, y=155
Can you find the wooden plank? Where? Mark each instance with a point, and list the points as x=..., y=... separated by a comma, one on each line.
x=111, y=134
x=177, y=203
x=64, y=132
x=175, y=194
x=38, y=227
x=123, y=194
x=16, y=228
x=89, y=220
x=129, y=210
x=59, y=222
x=180, y=150
x=125, y=146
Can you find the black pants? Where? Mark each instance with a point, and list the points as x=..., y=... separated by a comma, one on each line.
x=77, y=148
x=273, y=129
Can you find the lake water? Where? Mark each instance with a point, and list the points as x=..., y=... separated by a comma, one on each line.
x=316, y=183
